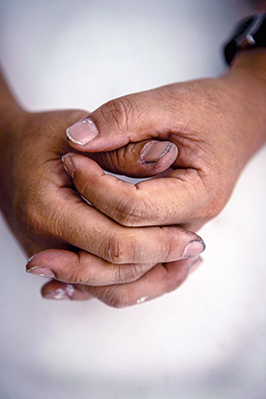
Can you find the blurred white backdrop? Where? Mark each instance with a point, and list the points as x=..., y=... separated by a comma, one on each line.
x=204, y=341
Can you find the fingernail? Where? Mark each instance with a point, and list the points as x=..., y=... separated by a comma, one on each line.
x=68, y=292
x=41, y=271
x=59, y=294
x=194, y=248
x=154, y=150
x=68, y=165
x=82, y=132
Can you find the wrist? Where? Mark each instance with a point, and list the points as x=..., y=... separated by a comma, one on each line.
x=246, y=84
x=11, y=113
x=252, y=62
x=12, y=126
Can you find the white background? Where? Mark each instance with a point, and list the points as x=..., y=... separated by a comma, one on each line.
x=204, y=341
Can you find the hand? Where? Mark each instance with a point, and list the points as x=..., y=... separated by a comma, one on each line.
x=37, y=196
x=216, y=124
x=45, y=211
x=159, y=280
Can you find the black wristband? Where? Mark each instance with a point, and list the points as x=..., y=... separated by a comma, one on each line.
x=249, y=33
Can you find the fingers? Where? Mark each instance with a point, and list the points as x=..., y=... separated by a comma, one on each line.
x=87, y=269
x=120, y=245
x=159, y=280
x=163, y=201
x=71, y=219
x=83, y=268
x=144, y=159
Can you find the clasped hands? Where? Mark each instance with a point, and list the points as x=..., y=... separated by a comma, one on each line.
x=122, y=247
x=99, y=236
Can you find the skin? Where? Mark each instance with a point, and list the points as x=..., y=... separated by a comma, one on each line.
x=79, y=244
x=217, y=126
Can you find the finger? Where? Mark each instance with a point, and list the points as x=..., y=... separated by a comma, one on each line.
x=83, y=268
x=158, y=281
x=62, y=291
x=121, y=245
x=144, y=159
x=132, y=118
x=163, y=201
x=71, y=219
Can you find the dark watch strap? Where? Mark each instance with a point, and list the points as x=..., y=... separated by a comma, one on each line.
x=250, y=32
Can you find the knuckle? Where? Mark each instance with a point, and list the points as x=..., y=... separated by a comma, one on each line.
x=113, y=298
x=118, y=249
x=118, y=111
x=76, y=275
x=37, y=213
x=75, y=278
x=128, y=273
x=30, y=215
x=129, y=213
x=134, y=212
x=114, y=249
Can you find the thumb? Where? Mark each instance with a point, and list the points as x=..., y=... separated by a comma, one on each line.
x=143, y=159
x=129, y=119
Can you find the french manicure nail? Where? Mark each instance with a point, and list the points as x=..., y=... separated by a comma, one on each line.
x=82, y=132
x=41, y=271
x=194, y=248
x=155, y=150
x=68, y=165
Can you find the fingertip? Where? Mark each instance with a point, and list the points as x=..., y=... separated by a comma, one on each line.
x=194, y=248
x=68, y=164
x=73, y=162
x=82, y=132
x=144, y=159
x=57, y=290
x=153, y=151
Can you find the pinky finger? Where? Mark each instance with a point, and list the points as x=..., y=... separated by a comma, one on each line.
x=158, y=281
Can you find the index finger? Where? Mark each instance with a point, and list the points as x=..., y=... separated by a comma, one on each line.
x=175, y=199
